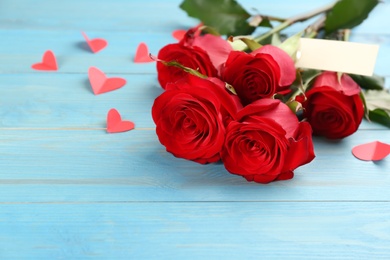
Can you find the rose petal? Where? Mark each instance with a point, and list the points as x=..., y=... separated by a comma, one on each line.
x=286, y=64
x=346, y=84
x=301, y=149
x=217, y=48
x=273, y=109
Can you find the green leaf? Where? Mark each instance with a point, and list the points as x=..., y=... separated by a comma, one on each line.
x=291, y=45
x=209, y=30
x=378, y=104
x=378, y=99
x=366, y=82
x=230, y=88
x=294, y=105
x=226, y=16
x=252, y=45
x=308, y=77
x=347, y=14
x=379, y=116
x=276, y=39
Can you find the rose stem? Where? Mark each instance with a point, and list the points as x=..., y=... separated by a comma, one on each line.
x=295, y=19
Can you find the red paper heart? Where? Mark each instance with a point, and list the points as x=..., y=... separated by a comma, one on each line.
x=95, y=45
x=115, y=124
x=142, y=54
x=373, y=151
x=101, y=84
x=179, y=34
x=49, y=62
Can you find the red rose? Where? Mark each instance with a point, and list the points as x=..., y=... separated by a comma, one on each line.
x=192, y=57
x=333, y=108
x=190, y=118
x=261, y=74
x=267, y=142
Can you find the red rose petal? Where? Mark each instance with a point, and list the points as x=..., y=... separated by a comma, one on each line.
x=286, y=64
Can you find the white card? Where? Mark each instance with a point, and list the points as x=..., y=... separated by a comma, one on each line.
x=340, y=56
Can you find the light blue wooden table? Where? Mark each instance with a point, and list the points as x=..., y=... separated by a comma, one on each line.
x=69, y=190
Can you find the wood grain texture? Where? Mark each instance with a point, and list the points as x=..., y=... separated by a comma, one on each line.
x=88, y=165
x=195, y=231
x=63, y=101
x=21, y=48
x=69, y=190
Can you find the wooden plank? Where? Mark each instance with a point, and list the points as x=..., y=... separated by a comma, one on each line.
x=195, y=231
x=19, y=49
x=90, y=165
x=52, y=101
x=66, y=101
x=148, y=15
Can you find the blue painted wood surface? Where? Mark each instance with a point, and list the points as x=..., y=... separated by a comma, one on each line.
x=69, y=190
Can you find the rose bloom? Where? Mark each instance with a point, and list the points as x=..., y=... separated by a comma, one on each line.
x=204, y=53
x=260, y=74
x=191, y=116
x=189, y=56
x=333, y=108
x=267, y=142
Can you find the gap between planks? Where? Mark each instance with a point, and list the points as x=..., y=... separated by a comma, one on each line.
x=191, y=201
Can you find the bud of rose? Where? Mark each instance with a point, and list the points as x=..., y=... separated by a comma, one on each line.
x=333, y=106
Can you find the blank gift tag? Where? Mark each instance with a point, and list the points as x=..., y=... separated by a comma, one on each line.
x=348, y=57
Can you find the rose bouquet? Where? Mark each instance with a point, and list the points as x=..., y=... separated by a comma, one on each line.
x=241, y=100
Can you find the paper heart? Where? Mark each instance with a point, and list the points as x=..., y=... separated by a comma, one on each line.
x=49, y=62
x=179, y=34
x=95, y=45
x=142, y=54
x=101, y=84
x=373, y=151
x=115, y=124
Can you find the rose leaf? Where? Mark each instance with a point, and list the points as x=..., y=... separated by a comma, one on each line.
x=347, y=14
x=378, y=104
x=379, y=116
x=227, y=16
x=291, y=45
x=374, y=82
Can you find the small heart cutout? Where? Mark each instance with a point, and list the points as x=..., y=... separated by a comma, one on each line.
x=179, y=34
x=101, y=84
x=49, y=62
x=95, y=45
x=115, y=124
x=373, y=151
x=142, y=54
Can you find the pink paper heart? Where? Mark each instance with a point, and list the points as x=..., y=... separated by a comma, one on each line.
x=101, y=84
x=179, y=34
x=95, y=45
x=49, y=62
x=373, y=151
x=142, y=54
x=115, y=124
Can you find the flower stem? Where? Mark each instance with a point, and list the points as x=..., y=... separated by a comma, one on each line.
x=293, y=20
x=347, y=33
